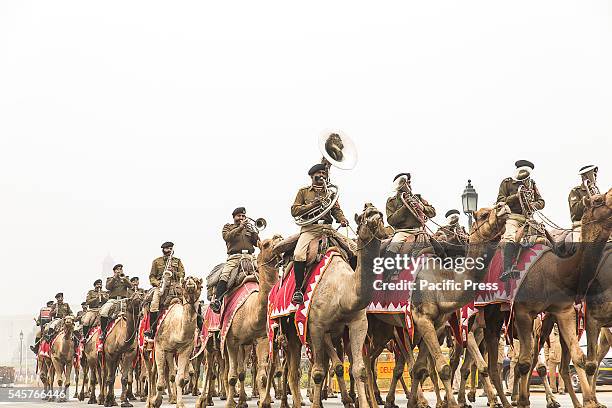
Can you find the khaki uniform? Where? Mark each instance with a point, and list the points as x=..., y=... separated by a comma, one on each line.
x=156, y=275
x=58, y=312
x=451, y=233
x=405, y=223
x=240, y=242
x=118, y=289
x=301, y=205
x=141, y=291
x=508, y=194
x=95, y=299
x=576, y=207
x=552, y=355
x=513, y=353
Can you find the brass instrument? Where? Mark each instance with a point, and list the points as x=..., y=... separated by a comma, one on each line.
x=526, y=197
x=256, y=225
x=589, y=180
x=414, y=205
x=338, y=151
x=167, y=274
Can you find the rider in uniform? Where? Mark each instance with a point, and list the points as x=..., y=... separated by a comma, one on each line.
x=59, y=310
x=520, y=212
x=118, y=286
x=240, y=238
x=135, y=282
x=309, y=198
x=41, y=322
x=578, y=196
x=177, y=272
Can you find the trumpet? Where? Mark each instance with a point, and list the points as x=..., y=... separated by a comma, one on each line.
x=256, y=225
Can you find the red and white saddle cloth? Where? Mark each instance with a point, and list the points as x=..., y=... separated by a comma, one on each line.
x=279, y=299
x=145, y=325
x=44, y=350
x=211, y=324
x=232, y=303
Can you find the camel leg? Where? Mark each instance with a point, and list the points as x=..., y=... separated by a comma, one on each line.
x=232, y=376
x=182, y=375
x=472, y=347
x=266, y=401
x=85, y=380
x=494, y=321
x=294, y=348
x=358, y=329
x=76, y=381
x=398, y=372
x=565, y=374
x=68, y=375
x=428, y=331
x=240, y=367
x=592, y=334
x=317, y=342
x=524, y=327
x=162, y=383
x=440, y=403
x=465, y=373
x=417, y=374
x=285, y=384
x=566, y=322
x=602, y=351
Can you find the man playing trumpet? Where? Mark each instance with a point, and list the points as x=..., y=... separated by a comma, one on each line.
x=240, y=238
x=117, y=286
x=307, y=199
x=578, y=196
x=167, y=265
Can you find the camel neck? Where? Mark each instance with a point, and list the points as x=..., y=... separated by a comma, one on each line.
x=268, y=276
x=364, y=274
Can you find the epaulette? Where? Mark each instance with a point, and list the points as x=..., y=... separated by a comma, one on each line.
x=508, y=179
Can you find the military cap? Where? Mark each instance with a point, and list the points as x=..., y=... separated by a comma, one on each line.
x=50, y=303
x=239, y=210
x=83, y=303
x=117, y=267
x=315, y=168
x=451, y=212
x=97, y=281
x=167, y=244
x=586, y=169
x=134, y=279
x=402, y=174
x=524, y=163
x=59, y=295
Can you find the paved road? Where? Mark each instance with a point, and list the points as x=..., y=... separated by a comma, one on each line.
x=537, y=401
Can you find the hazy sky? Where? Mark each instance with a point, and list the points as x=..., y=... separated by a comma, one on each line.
x=126, y=124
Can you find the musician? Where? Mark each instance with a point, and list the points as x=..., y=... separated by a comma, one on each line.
x=177, y=272
x=59, y=310
x=408, y=223
x=81, y=312
x=309, y=198
x=118, y=286
x=452, y=231
x=41, y=322
x=240, y=238
x=578, y=196
x=520, y=211
x=135, y=282
x=96, y=297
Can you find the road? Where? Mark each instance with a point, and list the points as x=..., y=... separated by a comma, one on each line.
x=537, y=401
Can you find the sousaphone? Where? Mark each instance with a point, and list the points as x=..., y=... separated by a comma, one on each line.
x=339, y=151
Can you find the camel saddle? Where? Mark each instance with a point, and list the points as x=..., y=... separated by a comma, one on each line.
x=238, y=275
x=318, y=248
x=174, y=291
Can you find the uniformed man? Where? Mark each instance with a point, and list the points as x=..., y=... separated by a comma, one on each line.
x=552, y=356
x=520, y=211
x=81, y=312
x=176, y=272
x=308, y=198
x=408, y=223
x=135, y=282
x=452, y=231
x=96, y=297
x=240, y=239
x=118, y=286
x=59, y=310
x=577, y=199
x=41, y=321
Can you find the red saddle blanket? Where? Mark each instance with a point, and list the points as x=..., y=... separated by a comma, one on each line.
x=279, y=299
x=44, y=349
x=232, y=303
x=145, y=324
x=504, y=292
x=211, y=324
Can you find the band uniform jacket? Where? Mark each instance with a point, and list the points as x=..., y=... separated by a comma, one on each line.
x=400, y=217
x=238, y=238
x=117, y=287
x=508, y=193
x=576, y=202
x=60, y=311
x=304, y=198
x=158, y=267
x=95, y=299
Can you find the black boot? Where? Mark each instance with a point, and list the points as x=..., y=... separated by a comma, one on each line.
x=511, y=250
x=103, y=324
x=221, y=289
x=85, y=332
x=150, y=334
x=298, y=270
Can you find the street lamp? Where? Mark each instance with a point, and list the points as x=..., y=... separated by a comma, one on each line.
x=469, y=199
x=21, y=354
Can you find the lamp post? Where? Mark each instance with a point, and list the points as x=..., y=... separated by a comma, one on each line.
x=469, y=199
x=21, y=354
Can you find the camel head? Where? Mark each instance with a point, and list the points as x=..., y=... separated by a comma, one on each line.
x=267, y=255
x=192, y=289
x=69, y=323
x=597, y=217
x=489, y=223
x=370, y=224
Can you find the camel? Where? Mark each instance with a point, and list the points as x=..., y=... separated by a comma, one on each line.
x=551, y=285
x=248, y=327
x=45, y=367
x=62, y=353
x=121, y=339
x=431, y=309
x=175, y=336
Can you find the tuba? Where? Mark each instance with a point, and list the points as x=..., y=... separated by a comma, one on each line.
x=339, y=151
x=526, y=197
x=589, y=180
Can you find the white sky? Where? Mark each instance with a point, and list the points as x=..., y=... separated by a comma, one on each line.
x=126, y=124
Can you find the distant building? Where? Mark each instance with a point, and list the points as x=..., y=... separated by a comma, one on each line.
x=107, y=265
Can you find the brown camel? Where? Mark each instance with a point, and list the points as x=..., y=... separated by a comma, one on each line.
x=45, y=367
x=431, y=309
x=62, y=353
x=551, y=285
x=175, y=336
x=248, y=328
x=121, y=339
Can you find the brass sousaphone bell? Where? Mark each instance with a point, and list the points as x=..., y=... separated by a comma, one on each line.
x=339, y=151
x=589, y=179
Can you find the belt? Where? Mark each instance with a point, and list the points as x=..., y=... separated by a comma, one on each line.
x=243, y=252
x=119, y=297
